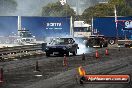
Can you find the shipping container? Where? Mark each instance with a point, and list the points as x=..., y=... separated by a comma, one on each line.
x=42, y=27
x=8, y=25
x=107, y=26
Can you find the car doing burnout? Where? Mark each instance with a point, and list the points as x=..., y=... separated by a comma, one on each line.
x=61, y=46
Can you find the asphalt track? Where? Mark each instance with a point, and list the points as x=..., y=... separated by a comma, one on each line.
x=19, y=74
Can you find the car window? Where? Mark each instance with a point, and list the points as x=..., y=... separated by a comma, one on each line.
x=62, y=41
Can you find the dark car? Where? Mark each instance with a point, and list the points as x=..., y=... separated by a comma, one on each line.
x=97, y=41
x=61, y=46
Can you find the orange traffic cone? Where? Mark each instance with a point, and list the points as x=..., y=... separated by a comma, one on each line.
x=106, y=52
x=1, y=75
x=97, y=54
x=65, y=60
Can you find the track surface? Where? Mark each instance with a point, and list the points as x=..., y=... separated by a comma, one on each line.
x=20, y=73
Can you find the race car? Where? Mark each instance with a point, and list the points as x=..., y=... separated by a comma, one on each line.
x=61, y=46
x=97, y=41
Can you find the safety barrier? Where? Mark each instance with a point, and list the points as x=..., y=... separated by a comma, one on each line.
x=9, y=51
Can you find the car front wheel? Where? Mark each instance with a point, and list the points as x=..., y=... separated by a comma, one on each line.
x=75, y=53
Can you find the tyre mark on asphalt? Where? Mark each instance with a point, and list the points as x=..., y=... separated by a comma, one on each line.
x=107, y=71
x=68, y=84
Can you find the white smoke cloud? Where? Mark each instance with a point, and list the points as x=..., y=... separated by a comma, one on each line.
x=34, y=7
x=31, y=7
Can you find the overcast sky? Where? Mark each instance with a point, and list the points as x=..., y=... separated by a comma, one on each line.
x=34, y=7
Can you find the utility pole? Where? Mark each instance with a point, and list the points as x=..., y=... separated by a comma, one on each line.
x=116, y=21
x=19, y=25
x=64, y=2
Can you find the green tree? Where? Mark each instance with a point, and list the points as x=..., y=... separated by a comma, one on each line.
x=56, y=9
x=129, y=2
x=7, y=6
x=107, y=9
x=123, y=8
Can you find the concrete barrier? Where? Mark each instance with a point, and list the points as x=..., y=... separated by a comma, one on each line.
x=24, y=50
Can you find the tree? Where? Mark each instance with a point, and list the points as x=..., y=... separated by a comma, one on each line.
x=99, y=10
x=7, y=6
x=56, y=9
x=123, y=8
x=107, y=9
x=129, y=2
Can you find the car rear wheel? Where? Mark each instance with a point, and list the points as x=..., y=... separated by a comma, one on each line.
x=101, y=45
x=67, y=53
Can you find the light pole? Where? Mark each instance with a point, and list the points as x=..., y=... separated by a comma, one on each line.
x=63, y=2
x=116, y=21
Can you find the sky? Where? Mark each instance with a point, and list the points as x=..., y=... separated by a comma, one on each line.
x=31, y=7
x=34, y=7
